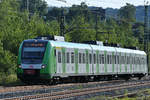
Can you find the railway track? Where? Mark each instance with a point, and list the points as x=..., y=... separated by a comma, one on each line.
x=36, y=87
x=69, y=93
x=10, y=92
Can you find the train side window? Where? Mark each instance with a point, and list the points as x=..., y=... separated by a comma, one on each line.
x=68, y=57
x=127, y=58
x=94, y=58
x=99, y=58
x=72, y=57
x=133, y=60
x=107, y=59
x=140, y=61
x=79, y=58
x=59, y=57
x=124, y=60
x=90, y=58
x=110, y=59
x=102, y=59
x=118, y=59
x=115, y=59
x=83, y=58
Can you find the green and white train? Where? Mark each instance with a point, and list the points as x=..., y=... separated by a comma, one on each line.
x=41, y=60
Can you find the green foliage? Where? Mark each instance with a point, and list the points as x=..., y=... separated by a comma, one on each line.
x=81, y=32
x=8, y=79
x=127, y=13
x=39, y=6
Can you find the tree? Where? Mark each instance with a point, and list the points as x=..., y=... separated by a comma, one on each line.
x=127, y=13
x=39, y=6
x=80, y=31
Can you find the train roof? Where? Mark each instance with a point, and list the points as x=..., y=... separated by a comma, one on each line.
x=70, y=45
x=95, y=47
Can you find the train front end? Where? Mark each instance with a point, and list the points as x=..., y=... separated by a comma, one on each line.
x=33, y=60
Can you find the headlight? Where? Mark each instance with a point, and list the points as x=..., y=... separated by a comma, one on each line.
x=43, y=66
x=19, y=66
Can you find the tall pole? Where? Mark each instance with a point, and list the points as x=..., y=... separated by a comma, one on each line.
x=28, y=5
x=62, y=22
x=146, y=33
x=96, y=28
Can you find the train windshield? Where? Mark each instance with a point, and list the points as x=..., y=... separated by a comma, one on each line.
x=33, y=53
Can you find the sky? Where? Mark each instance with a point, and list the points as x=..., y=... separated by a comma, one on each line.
x=97, y=3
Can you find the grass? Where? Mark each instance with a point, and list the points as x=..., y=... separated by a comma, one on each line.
x=9, y=80
x=139, y=96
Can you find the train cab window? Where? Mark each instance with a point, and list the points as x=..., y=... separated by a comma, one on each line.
x=59, y=57
x=68, y=57
x=94, y=56
x=83, y=58
x=72, y=57
x=90, y=58
x=80, y=55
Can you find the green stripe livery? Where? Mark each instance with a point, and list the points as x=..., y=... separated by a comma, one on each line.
x=76, y=60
